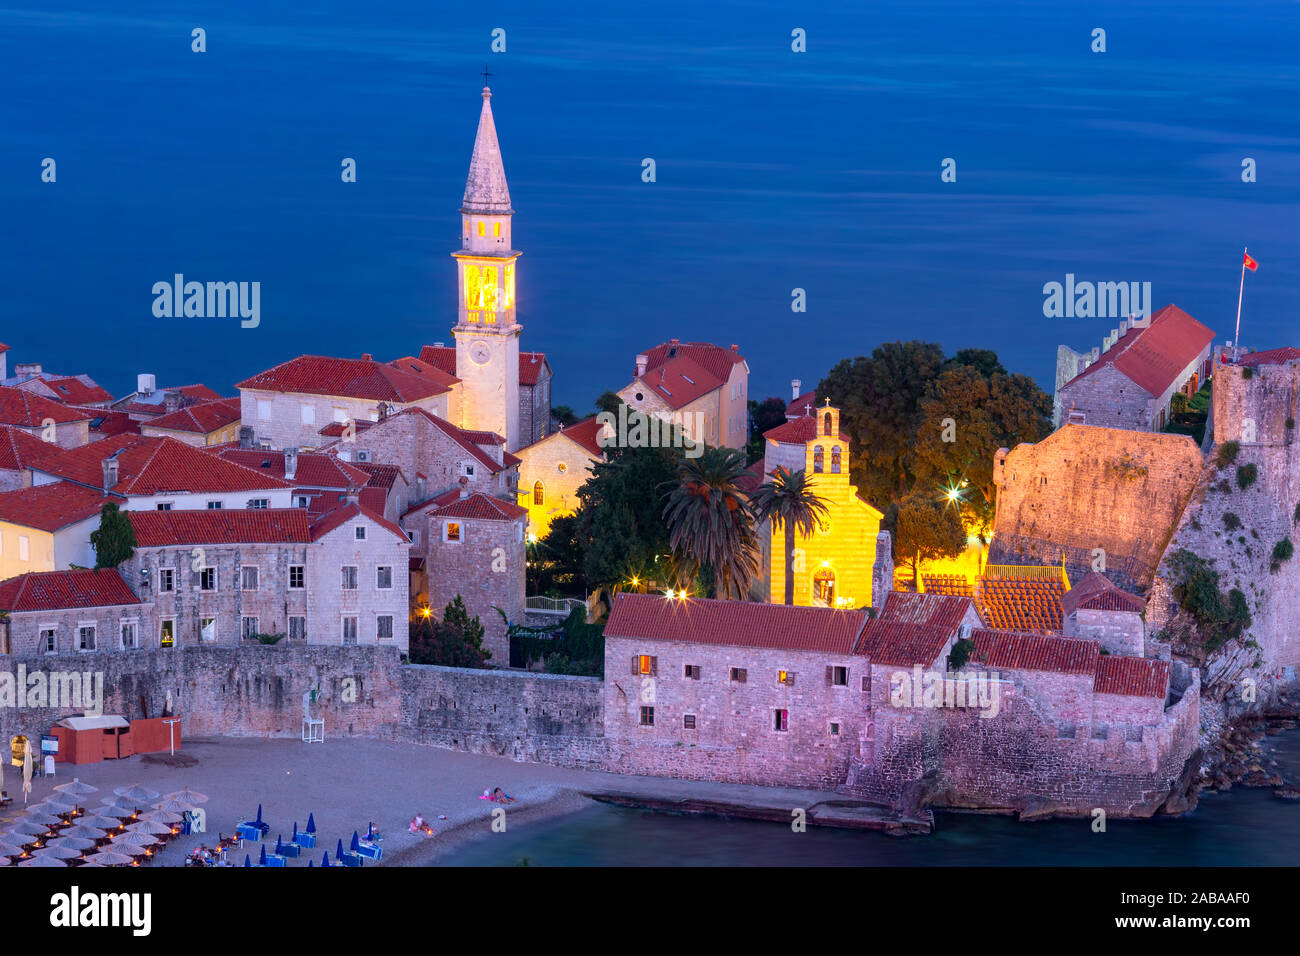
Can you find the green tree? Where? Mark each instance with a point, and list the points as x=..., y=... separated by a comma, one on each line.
x=455, y=641
x=710, y=522
x=927, y=528
x=788, y=501
x=982, y=360
x=114, y=539
x=555, y=561
x=763, y=417
x=565, y=415
x=608, y=402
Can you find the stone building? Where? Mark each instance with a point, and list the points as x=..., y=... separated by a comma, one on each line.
x=202, y=424
x=534, y=389
x=43, y=418
x=52, y=612
x=19, y=450
x=552, y=470
x=1096, y=609
x=1131, y=380
x=702, y=387
x=288, y=405
x=833, y=565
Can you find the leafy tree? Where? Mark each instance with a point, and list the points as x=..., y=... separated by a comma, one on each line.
x=114, y=539
x=763, y=417
x=455, y=641
x=608, y=402
x=710, y=521
x=565, y=415
x=982, y=360
x=980, y=415
x=928, y=528
x=555, y=561
x=789, y=502
x=1197, y=593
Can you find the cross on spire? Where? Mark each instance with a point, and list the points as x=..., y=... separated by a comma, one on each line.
x=485, y=74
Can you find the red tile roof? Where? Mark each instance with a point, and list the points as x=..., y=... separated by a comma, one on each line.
x=460, y=436
x=104, y=422
x=478, y=506
x=335, y=429
x=654, y=617
x=19, y=407
x=1271, y=357
x=1095, y=592
x=1154, y=356
x=355, y=378
x=68, y=389
x=433, y=373
x=18, y=448
x=797, y=431
x=940, y=610
x=148, y=466
x=1132, y=676
x=202, y=419
x=680, y=381
x=714, y=359
x=903, y=643
x=531, y=364
x=345, y=512
x=1033, y=652
x=380, y=476
x=220, y=526
x=315, y=470
x=60, y=590
x=799, y=408
x=585, y=434
x=50, y=507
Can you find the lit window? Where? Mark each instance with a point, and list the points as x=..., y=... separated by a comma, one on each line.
x=647, y=716
x=452, y=531
x=538, y=494
x=645, y=664
x=482, y=229
x=496, y=229
x=167, y=633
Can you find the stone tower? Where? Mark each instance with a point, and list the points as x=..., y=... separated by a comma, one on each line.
x=487, y=335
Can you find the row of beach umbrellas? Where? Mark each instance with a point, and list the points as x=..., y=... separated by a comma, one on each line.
x=120, y=831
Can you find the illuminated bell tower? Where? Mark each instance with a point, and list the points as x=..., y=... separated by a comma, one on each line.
x=487, y=335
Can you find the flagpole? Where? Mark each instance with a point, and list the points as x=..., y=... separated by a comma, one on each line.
x=1236, y=335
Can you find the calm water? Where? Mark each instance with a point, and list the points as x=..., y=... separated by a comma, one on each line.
x=1239, y=828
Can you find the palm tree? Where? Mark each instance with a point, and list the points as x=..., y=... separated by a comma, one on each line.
x=710, y=522
x=789, y=501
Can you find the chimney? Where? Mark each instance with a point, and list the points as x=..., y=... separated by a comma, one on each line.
x=367, y=357
x=245, y=436
x=735, y=348
x=172, y=401
x=795, y=388
x=1123, y=327
x=353, y=495
x=437, y=345
x=674, y=342
x=384, y=410
x=110, y=471
x=464, y=487
x=144, y=383
x=23, y=369
x=642, y=361
x=290, y=463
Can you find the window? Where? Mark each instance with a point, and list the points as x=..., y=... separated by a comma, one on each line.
x=248, y=579
x=167, y=633
x=384, y=627
x=214, y=505
x=166, y=579
x=837, y=676
x=451, y=531
x=467, y=469
x=539, y=495
x=263, y=410
x=688, y=721
x=834, y=729
x=304, y=501
x=207, y=629
x=835, y=460
x=259, y=504
x=645, y=664
x=250, y=628
x=297, y=629
x=414, y=536
x=130, y=640
x=48, y=642
x=297, y=576
x=738, y=675
x=692, y=672
x=341, y=416
x=866, y=684
x=24, y=547
x=349, y=577
x=349, y=630
x=86, y=637
x=309, y=414
x=818, y=458
x=826, y=424
x=785, y=677
x=781, y=721
x=164, y=506
x=561, y=467
x=482, y=228
x=647, y=716
x=208, y=579
x=496, y=228
x=384, y=577
x=359, y=532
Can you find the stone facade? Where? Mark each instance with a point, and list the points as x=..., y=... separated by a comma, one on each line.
x=1120, y=632
x=294, y=419
x=550, y=473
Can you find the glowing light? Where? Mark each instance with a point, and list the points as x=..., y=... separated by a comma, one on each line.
x=826, y=564
x=636, y=582
x=532, y=537
x=670, y=594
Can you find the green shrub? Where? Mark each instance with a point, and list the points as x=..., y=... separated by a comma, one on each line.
x=1246, y=475
x=1283, y=550
x=1227, y=453
x=268, y=638
x=960, y=654
x=1230, y=521
x=1197, y=593
x=1247, y=372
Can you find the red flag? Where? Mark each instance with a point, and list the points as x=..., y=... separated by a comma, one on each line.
x=1250, y=263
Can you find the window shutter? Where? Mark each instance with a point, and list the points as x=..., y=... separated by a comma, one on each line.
x=194, y=577
x=830, y=676
x=654, y=666
x=789, y=678
x=636, y=664
x=742, y=675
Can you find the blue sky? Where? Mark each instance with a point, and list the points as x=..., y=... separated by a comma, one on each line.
x=775, y=170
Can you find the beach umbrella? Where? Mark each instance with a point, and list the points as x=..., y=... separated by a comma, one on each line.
x=259, y=815
x=29, y=827
x=188, y=795
x=356, y=842
x=112, y=810
x=311, y=823
x=74, y=843
x=110, y=857
x=57, y=803
x=261, y=859
x=279, y=846
x=162, y=816
x=27, y=772
x=310, y=864
x=295, y=831
x=8, y=849
x=134, y=838
x=76, y=788
x=83, y=831
x=34, y=815
x=129, y=849
x=5, y=861
x=247, y=860
x=325, y=860
x=99, y=822
x=149, y=826
x=339, y=853
x=137, y=793
x=43, y=861
x=59, y=852
x=173, y=805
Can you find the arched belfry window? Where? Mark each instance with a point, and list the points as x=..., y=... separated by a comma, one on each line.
x=818, y=458
x=826, y=426
x=538, y=496
x=835, y=460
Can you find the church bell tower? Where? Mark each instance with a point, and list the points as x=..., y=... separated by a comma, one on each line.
x=486, y=332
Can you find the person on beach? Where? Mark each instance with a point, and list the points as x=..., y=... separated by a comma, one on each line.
x=417, y=823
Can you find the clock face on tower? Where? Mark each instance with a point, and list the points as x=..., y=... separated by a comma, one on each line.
x=479, y=353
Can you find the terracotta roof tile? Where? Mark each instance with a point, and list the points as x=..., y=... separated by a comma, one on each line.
x=797, y=431
x=50, y=507
x=477, y=506
x=800, y=407
x=1132, y=676
x=680, y=381
x=903, y=643
x=738, y=623
x=202, y=419
x=220, y=526
x=346, y=511
x=1035, y=652
x=1271, y=357
x=941, y=610
x=315, y=470
x=355, y=378
x=20, y=407
x=531, y=364
x=60, y=590
x=1095, y=592
x=714, y=359
x=18, y=448
x=1154, y=356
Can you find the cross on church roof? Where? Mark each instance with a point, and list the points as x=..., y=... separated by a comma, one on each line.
x=485, y=74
